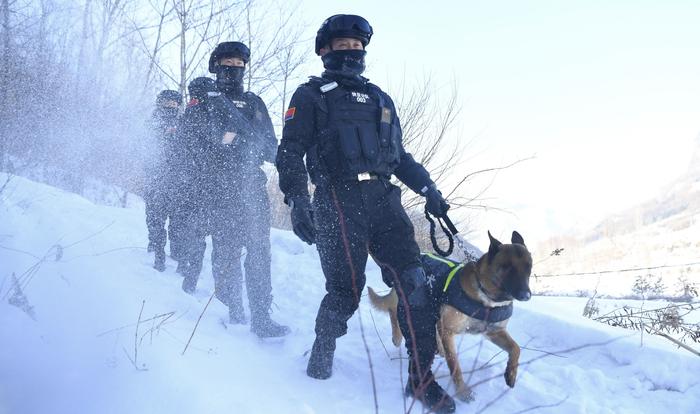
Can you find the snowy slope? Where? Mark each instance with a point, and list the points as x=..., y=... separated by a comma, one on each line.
x=75, y=356
x=659, y=236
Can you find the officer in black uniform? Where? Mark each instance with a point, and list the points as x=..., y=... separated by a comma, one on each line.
x=190, y=195
x=348, y=130
x=158, y=194
x=235, y=137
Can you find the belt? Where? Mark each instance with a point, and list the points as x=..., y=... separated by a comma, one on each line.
x=354, y=178
x=366, y=176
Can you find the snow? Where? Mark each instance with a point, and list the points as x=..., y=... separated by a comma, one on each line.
x=76, y=356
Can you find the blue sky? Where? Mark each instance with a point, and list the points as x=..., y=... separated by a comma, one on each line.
x=605, y=94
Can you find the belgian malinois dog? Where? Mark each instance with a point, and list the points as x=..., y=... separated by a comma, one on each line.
x=476, y=298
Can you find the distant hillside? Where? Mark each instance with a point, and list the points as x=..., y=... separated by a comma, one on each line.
x=663, y=232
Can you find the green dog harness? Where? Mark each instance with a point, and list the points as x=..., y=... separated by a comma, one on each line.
x=440, y=273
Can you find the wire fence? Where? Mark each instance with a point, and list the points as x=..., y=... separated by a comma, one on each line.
x=632, y=269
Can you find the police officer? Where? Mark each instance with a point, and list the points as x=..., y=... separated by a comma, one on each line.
x=349, y=132
x=189, y=195
x=158, y=188
x=236, y=137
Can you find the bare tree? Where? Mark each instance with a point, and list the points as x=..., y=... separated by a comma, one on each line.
x=196, y=21
x=426, y=120
x=85, y=120
x=428, y=117
x=110, y=13
x=163, y=10
x=289, y=58
x=5, y=71
x=273, y=31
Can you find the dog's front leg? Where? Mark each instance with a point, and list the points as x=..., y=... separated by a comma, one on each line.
x=506, y=343
x=447, y=338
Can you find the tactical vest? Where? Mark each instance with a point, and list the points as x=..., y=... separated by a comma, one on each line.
x=244, y=104
x=446, y=289
x=356, y=134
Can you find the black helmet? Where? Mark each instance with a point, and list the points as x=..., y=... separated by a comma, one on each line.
x=343, y=25
x=168, y=95
x=228, y=49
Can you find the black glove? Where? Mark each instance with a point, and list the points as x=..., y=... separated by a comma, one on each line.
x=302, y=223
x=200, y=87
x=435, y=203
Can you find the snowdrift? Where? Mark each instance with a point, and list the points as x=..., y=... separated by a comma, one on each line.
x=94, y=329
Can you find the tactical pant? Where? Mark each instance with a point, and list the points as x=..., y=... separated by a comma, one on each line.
x=177, y=226
x=157, y=209
x=192, y=228
x=239, y=221
x=356, y=218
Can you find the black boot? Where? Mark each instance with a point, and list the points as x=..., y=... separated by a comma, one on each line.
x=189, y=283
x=264, y=327
x=429, y=392
x=236, y=315
x=159, y=263
x=151, y=248
x=180, y=267
x=321, y=359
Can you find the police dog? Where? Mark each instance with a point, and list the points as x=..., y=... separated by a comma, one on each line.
x=489, y=287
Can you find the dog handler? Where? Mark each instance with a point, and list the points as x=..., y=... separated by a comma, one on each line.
x=348, y=130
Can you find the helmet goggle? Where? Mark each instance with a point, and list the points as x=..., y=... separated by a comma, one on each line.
x=343, y=25
x=352, y=25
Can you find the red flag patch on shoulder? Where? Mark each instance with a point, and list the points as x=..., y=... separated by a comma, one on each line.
x=290, y=113
x=193, y=102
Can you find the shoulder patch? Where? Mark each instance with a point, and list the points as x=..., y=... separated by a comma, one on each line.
x=289, y=115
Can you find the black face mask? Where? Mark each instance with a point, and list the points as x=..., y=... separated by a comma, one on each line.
x=168, y=113
x=349, y=62
x=229, y=79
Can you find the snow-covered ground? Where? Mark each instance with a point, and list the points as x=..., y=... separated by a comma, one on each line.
x=74, y=346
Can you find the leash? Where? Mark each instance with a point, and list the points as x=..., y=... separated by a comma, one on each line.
x=451, y=233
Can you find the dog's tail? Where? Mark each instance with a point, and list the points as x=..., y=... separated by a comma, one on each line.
x=388, y=303
x=383, y=303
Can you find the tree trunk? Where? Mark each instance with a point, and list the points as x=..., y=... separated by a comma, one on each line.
x=183, y=50
x=4, y=77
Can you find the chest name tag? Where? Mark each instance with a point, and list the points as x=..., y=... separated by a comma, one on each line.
x=360, y=97
x=328, y=87
x=240, y=104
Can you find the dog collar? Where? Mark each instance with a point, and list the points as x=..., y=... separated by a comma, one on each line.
x=484, y=292
x=459, y=300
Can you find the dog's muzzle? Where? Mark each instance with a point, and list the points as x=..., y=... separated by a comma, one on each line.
x=523, y=295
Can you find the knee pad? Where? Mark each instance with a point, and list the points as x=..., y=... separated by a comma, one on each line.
x=415, y=287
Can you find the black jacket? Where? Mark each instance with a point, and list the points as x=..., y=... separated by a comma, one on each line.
x=162, y=154
x=304, y=125
x=218, y=166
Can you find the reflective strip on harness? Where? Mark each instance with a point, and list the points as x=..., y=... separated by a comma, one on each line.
x=454, y=267
x=450, y=263
x=453, y=272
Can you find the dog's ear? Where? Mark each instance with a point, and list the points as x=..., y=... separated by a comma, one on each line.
x=493, y=247
x=516, y=238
